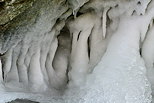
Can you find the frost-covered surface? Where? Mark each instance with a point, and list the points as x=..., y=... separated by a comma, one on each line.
x=101, y=54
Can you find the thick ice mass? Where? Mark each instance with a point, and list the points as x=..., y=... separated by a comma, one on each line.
x=101, y=51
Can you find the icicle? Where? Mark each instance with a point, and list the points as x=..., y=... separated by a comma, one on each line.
x=81, y=29
x=1, y=75
x=75, y=10
x=35, y=74
x=7, y=63
x=77, y=4
x=53, y=80
x=104, y=21
x=13, y=75
x=74, y=13
x=22, y=69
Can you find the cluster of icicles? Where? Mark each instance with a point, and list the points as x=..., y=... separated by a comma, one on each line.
x=65, y=56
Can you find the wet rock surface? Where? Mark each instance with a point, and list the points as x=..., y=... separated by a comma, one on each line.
x=22, y=101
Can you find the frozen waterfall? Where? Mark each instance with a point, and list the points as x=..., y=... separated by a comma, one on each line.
x=95, y=51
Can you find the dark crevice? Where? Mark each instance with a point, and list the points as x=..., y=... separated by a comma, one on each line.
x=2, y=62
x=2, y=58
x=79, y=14
x=88, y=41
x=139, y=3
x=2, y=54
x=67, y=71
x=78, y=35
x=140, y=50
x=108, y=20
x=2, y=4
x=116, y=6
x=134, y=12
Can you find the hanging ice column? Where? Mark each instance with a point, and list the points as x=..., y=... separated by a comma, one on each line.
x=80, y=29
x=87, y=46
x=1, y=78
x=98, y=39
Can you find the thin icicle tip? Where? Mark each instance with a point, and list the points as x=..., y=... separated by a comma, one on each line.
x=105, y=20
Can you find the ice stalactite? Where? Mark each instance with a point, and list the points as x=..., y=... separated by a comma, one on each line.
x=76, y=4
x=49, y=67
x=13, y=73
x=104, y=20
x=6, y=61
x=22, y=67
x=57, y=69
x=97, y=43
x=1, y=72
x=61, y=59
x=33, y=75
x=88, y=46
x=80, y=29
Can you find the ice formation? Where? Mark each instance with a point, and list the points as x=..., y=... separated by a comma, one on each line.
x=101, y=53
